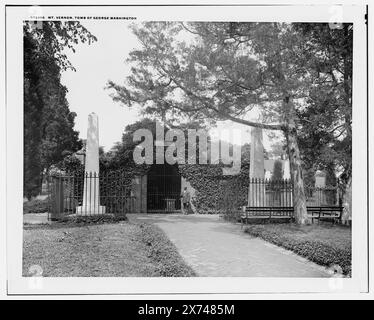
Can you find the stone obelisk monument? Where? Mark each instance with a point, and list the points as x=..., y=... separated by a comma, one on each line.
x=91, y=191
x=256, y=192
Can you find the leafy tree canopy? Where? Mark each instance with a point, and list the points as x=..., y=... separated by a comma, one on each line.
x=221, y=71
x=48, y=122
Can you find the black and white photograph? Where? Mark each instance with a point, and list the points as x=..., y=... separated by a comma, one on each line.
x=186, y=149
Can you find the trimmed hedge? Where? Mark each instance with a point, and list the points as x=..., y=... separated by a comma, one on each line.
x=36, y=206
x=162, y=251
x=317, y=251
x=94, y=219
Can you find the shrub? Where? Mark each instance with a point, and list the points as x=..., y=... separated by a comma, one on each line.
x=164, y=253
x=277, y=170
x=36, y=206
x=94, y=219
x=231, y=202
x=319, y=252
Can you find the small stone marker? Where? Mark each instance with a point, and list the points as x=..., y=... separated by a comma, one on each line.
x=91, y=191
x=320, y=179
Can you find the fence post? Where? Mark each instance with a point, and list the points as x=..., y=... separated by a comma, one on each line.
x=57, y=198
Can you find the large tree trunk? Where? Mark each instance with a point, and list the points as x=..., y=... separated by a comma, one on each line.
x=347, y=203
x=299, y=200
x=347, y=175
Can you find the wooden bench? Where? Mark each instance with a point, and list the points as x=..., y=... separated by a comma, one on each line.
x=333, y=213
x=265, y=213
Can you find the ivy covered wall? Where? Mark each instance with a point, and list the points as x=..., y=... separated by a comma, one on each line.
x=214, y=191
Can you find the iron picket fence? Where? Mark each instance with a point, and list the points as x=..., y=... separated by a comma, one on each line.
x=278, y=193
x=274, y=199
x=90, y=193
x=322, y=196
x=270, y=193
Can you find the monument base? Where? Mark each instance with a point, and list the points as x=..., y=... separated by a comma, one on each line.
x=90, y=211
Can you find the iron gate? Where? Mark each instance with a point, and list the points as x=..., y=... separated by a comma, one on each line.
x=163, y=189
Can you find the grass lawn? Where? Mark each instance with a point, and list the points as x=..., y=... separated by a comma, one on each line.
x=325, y=244
x=121, y=249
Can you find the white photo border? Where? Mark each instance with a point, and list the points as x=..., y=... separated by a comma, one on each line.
x=199, y=285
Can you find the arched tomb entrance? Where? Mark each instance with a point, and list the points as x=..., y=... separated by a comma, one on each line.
x=163, y=188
